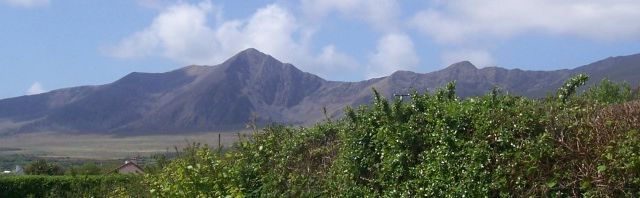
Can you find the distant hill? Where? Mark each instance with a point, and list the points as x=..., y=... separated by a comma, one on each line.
x=224, y=97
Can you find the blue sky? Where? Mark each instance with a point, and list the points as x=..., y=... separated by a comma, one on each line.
x=52, y=44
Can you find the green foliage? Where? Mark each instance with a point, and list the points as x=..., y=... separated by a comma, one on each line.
x=569, y=88
x=42, y=167
x=70, y=166
x=622, y=164
x=160, y=161
x=279, y=161
x=197, y=173
x=434, y=145
x=608, y=92
x=85, y=169
x=71, y=186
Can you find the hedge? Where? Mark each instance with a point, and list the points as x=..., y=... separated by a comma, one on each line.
x=571, y=144
x=70, y=186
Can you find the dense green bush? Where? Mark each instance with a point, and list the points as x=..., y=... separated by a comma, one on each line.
x=72, y=186
x=608, y=92
x=197, y=173
x=85, y=169
x=42, y=167
x=435, y=145
x=279, y=161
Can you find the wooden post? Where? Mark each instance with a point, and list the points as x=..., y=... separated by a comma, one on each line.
x=219, y=143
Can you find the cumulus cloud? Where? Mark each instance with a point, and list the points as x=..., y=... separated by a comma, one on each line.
x=27, y=3
x=271, y=29
x=394, y=52
x=381, y=14
x=185, y=33
x=179, y=33
x=479, y=58
x=35, y=88
x=456, y=21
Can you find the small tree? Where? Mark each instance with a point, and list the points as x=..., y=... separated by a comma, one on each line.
x=42, y=167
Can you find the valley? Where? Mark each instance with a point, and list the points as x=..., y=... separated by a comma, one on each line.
x=96, y=146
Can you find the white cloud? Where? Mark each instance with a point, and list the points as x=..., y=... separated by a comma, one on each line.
x=393, y=52
x=184, y=33
x=275, y=31
x=455, y=21
x=271, y=29
x=27, y=3
x=35, y=88
x=179, y=33
x=381, y=14
x=336, y=60
x=479, y=58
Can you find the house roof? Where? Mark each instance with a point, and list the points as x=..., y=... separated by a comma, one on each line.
x=128, y=163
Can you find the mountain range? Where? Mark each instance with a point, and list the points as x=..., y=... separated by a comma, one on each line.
x=252, y=84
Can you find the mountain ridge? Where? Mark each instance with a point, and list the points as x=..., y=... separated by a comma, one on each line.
x=225, y=96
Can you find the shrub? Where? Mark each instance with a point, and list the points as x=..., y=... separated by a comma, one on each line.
x=42, y=167
x=608, y=92
x=70, y=186
x=435, y=145
x=85, y=169
x=197, y=173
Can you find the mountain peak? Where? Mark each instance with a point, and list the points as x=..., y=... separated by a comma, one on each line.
x=250, y=56
x=464, y=65
x=252, y=52
x=254, y=62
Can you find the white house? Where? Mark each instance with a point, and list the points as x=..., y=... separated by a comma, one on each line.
x=19, y=170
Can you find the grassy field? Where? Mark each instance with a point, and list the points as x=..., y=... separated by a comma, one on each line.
x=95, y=146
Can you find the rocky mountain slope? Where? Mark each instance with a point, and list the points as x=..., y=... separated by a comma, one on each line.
x=252, y=84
